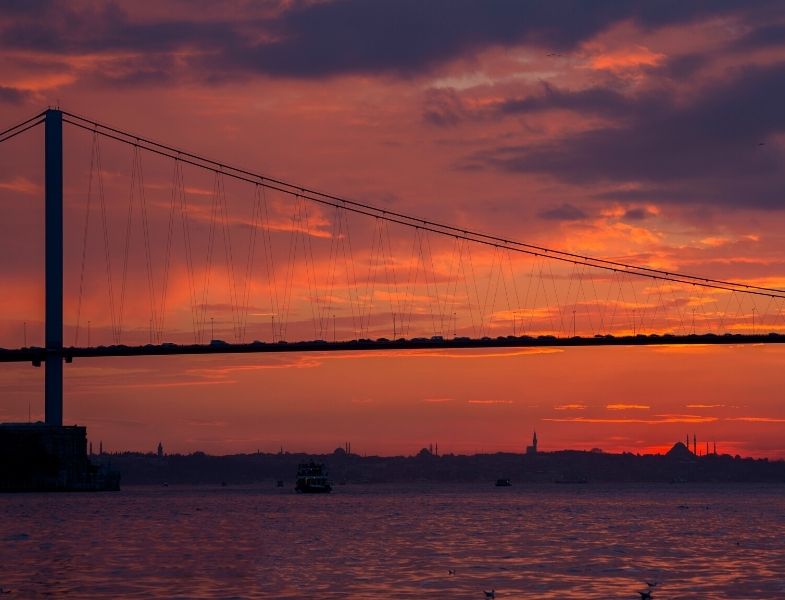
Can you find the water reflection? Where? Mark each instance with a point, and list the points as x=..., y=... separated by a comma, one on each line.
x=378, y=541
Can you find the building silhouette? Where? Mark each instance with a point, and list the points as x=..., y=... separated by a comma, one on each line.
x=680, y=451
x=533, y=448
x=37, y=457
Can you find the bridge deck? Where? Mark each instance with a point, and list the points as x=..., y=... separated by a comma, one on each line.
x=37, y=355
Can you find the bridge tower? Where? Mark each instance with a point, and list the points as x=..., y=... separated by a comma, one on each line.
x=53, y=230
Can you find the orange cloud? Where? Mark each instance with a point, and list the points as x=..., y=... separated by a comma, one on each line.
x=715, y=242
x=597, y=420
x=661, y=419
x=489, y=401
x=40, y=83
x=22, y=185
x=756, y=419
x=171, y=384
x=625, y=59
x=570, y=407
x=295, y=362
x=627, y=407
x=677, y=418
x=433, y=353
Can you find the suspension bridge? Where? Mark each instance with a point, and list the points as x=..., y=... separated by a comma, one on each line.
x=183, y=254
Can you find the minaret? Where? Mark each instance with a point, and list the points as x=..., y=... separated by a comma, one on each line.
x=534, y=441
x=160, y=450
x=707, y=447
x=694, y=445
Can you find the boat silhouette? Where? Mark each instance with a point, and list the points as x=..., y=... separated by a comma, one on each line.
x=312, y=479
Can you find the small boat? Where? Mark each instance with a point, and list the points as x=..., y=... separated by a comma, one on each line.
x=503, y=483
x=312, y=479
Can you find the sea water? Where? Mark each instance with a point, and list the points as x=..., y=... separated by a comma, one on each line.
x=402, y=541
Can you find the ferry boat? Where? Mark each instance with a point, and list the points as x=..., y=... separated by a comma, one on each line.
x=312, y=479
x=503, y=483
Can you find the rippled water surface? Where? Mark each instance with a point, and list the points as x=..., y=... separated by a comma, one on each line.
x=568, y=541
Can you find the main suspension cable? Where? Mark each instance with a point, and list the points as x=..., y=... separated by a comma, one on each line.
x=409, y=221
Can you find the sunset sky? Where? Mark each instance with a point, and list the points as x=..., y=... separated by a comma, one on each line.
x=646, y=132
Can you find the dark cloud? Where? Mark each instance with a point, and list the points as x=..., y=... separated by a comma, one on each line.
x=761, y=37
x=25, y=7
x=444, y=106
x=9, y=95
x=408, y=36
x=601, y=101
x=680, y=67
x=106, y=27
x=133, y=52
x=705, y=151
x=150, y=69
x=318, y=39
x=565, y=212
x=636, y=214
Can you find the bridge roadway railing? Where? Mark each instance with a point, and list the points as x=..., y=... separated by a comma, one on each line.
x=38, y=355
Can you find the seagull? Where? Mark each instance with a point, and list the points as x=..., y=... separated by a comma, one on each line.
x=451, y=571
x=646, y=595
x=761, y=143
x=651, y=585
x=491, y=594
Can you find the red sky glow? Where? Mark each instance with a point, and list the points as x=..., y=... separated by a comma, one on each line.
x=640, y=133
